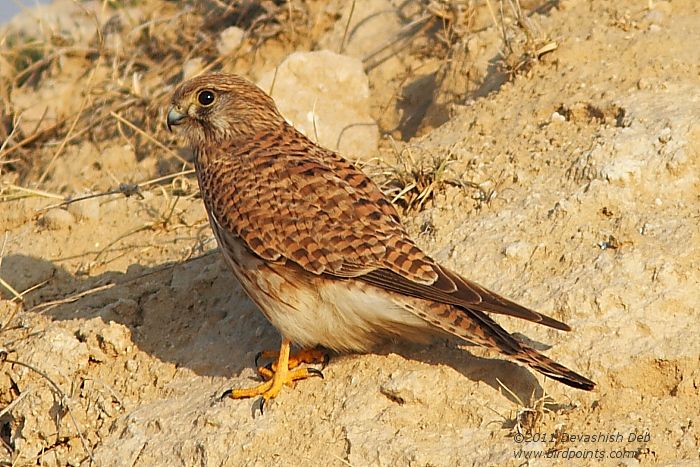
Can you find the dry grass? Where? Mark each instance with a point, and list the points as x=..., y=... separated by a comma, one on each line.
x=524, y=43
x=133, y=62
x=415, y=180
x=129, y=67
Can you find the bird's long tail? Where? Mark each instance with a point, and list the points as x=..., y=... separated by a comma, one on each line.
x=478, y=328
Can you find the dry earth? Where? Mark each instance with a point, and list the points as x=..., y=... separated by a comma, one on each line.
x=566, y=177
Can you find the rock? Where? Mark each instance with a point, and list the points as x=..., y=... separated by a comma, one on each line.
x=61, y=357
x=373, y=23
x=104, y=340
x=131, y=365
x=114, y=339
x=556, y=117
x=644, y=83
x=665, y=135
x=376, y=32
x=517, y=250
x=326, y=97
x=192, y=67
x=406, y=387
x=622, y=171
x=85, y=210
x=57, y=219
x=230, y=40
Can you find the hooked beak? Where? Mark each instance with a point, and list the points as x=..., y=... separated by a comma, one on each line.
x=174, y=118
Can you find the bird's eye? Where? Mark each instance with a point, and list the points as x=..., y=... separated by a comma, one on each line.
x=205, y=97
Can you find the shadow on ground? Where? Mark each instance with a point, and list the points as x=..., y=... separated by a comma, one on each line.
x=195, y=315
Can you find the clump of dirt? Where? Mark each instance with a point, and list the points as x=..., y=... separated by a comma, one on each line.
x=549, y=150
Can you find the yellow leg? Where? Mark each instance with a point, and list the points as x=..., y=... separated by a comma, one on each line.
x=279, y=374
x=308, y=356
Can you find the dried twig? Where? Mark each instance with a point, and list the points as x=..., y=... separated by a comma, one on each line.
x=347, y=27
x=45, y=306
x=72, y=127
x=12, y=290
x=126, y=189
x=14, y=403
x=149, y=137
x=29, y=192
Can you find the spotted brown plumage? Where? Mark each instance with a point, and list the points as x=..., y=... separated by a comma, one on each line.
x=316, y=244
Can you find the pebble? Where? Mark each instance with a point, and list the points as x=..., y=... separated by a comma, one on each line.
x=57, y=219
x=665, y=135
x=230, y=40
x=557, y=117
x=644, y=83
x=517, y=250
x=131, y=365
x=114, y=339
x=191, y=67
x=85, y=210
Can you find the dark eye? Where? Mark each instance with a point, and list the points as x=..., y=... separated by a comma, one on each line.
x=205, y=97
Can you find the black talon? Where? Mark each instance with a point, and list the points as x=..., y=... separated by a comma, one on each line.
x=225, y=394
x=257, y=357
x=259, y=405
x=326, y=359
x=315, y=372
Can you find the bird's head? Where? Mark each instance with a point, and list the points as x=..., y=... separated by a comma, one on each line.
x=221, y=108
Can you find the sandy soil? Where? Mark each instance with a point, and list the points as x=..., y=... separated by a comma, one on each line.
x=570, y=182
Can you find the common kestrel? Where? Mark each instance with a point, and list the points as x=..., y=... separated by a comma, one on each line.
x=319, y=248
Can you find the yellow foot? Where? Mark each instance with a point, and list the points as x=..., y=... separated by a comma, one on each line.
x=284, y=371
x=307, y=356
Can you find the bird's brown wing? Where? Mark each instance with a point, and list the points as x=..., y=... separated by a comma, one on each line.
x=289, y=200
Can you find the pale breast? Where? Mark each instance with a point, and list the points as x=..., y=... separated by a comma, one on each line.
x=340, y=314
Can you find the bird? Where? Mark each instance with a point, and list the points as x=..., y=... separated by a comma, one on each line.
x=319, y=248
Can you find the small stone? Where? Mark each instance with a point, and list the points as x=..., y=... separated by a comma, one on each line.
x=230, y=40
x=85, y=210
x=131, y=365
x=191, y=67
x=57, y=219
x=517, y=250
x=556, y=117
x=407, y=387
x=114, y=339
x=473, y=45
x=643, y=83
x=665, y=135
